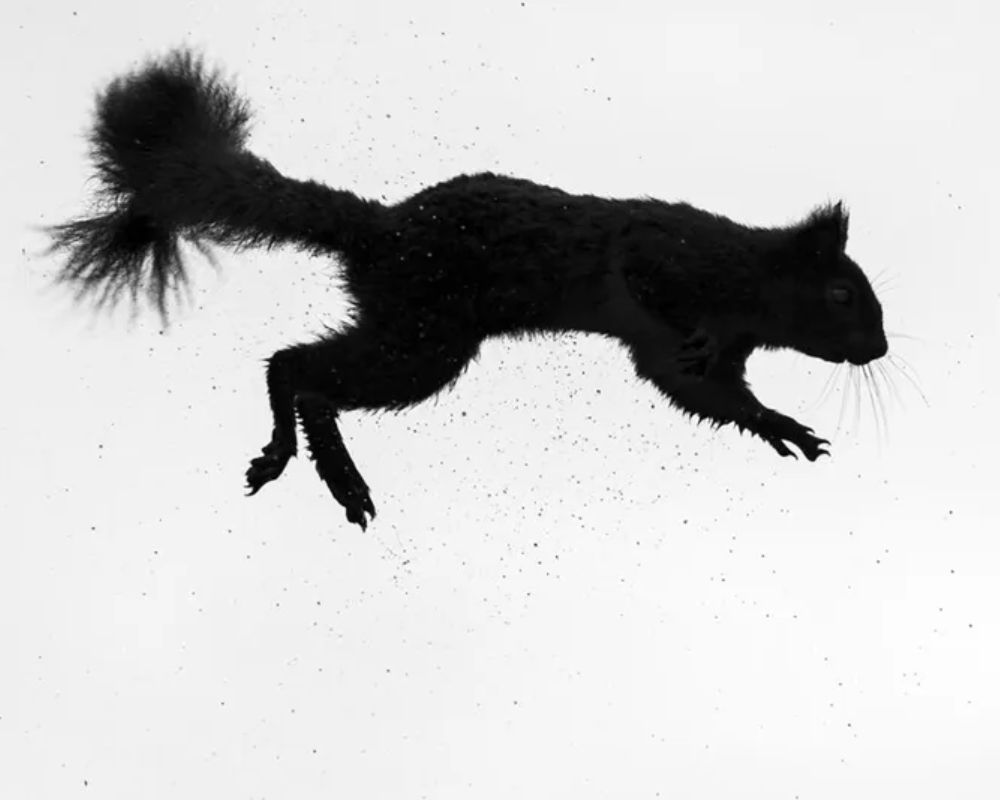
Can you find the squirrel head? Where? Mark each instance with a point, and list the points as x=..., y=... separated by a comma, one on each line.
x=819, y=302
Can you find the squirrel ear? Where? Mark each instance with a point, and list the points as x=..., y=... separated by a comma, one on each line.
x=825, y=230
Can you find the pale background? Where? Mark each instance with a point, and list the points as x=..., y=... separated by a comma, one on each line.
x=570, y=590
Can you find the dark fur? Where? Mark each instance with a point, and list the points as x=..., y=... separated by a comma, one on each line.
x=691, y=294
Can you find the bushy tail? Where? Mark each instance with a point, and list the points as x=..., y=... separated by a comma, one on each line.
x=168, y=148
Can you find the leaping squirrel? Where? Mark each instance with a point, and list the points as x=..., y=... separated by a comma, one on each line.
x=691, y=294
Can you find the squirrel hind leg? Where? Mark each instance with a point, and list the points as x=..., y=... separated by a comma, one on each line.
x=368, y=367
x=334, y=464
x=275, y=455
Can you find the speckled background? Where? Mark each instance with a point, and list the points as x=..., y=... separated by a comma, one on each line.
x=570, y=590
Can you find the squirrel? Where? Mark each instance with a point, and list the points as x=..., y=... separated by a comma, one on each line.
x=689, y=293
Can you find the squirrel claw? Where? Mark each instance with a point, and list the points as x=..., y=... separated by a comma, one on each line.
x=350, y=490
x=780, y=447
x=267, y=467
x=776, y=429
x=357, y=515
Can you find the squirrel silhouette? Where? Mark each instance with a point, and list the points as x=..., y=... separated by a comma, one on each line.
x=691, y=294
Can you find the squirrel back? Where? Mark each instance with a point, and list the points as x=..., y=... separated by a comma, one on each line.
x=474, y=256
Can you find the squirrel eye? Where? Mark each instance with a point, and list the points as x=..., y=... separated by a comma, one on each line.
x=841, y=294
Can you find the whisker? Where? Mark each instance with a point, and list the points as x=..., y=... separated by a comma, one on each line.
x=852, y=395
x=826, y=389
x=883, y=401
x=898, y=335
x=898, y=362
x=896, y=357
x=884, y=281
x=882, y=275
x=888, y=380
x=856, y=375
x=874, y=398
x=843, y=400
x=863, y=384
x=878, y=409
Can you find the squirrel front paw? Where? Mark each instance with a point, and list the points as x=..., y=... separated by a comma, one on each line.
x=776, y=429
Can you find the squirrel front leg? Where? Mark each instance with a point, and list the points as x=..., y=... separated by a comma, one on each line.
x=721, y=395
x=726, y=403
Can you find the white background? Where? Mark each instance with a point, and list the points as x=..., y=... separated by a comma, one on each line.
x=570, y=591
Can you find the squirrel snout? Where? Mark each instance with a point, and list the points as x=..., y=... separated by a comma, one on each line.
x=867, y=348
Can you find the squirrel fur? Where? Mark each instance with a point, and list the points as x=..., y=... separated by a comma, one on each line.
x=691, y=294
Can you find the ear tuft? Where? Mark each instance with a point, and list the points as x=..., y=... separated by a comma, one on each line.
x=825, y=229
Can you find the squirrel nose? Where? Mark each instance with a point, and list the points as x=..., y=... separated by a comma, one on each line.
x=869, y=349
x=881, y=346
